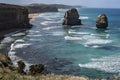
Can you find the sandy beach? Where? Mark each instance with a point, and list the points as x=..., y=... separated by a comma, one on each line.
x=30, y=16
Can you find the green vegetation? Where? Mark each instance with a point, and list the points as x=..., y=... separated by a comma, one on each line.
x=8, y=74
x=36, y=69
x=21, y=66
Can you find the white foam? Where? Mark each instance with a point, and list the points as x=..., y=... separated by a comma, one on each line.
x=44, y=23
x=90, y=40
x=71, y=32
x=49, y=28
x=21, y=45
x=33, y=31
x=19, y=34
x=35, y=39
x=7, y=40
x=49, y=22
x=15, y=58
x=12, y=55
x=107, y=35
x=108, y=64
x=57, y=33
x=72, y=38
x=19, y=40
x=48, y=18
x=95, y=46
x=102, y=35
x=98, y=41
x=34, y=35
x=84, y=17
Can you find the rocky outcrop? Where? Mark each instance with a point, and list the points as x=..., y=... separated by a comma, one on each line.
x=13, y=16
x=71, y=18
x=102, y=21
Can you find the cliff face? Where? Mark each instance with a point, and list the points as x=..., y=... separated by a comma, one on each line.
x=13, y=16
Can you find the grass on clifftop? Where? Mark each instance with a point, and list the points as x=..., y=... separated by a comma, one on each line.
x=7, y=74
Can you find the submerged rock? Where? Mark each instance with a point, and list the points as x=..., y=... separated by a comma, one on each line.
x=102, y=21
x=71, y=18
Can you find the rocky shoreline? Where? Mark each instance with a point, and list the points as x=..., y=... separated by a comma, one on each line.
x=7, y=66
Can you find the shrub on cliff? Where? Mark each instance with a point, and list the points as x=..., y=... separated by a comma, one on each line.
x=21, y=66
x=36, y=69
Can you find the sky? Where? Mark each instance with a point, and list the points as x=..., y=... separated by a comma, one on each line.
x=87, y=3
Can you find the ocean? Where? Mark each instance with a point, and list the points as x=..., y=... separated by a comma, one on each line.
x=79, y=50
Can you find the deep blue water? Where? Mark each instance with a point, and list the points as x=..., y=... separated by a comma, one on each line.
x=80, y=50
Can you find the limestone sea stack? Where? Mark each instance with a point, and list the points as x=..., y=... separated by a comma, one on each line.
x=102, y=21
x=71, y=18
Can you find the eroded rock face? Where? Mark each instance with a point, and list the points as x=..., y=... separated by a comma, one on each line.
x=102, y=21
x=71, y=18
x=13, y=16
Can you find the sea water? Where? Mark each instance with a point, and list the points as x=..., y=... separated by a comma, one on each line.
x=79, y=50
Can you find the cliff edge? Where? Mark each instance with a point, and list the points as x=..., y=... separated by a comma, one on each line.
x=13, y=16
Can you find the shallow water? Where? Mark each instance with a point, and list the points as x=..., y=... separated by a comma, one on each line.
x=80, y=50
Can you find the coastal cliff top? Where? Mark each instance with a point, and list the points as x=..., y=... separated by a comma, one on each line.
x=59, y=6
x=11, y=6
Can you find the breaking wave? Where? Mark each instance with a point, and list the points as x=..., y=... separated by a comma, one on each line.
x=108, y=64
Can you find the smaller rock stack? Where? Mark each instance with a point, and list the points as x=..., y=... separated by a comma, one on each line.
x=71, y=18
x=102, y=21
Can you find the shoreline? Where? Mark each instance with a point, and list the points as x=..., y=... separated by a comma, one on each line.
x=3, y=33
x=32, y=15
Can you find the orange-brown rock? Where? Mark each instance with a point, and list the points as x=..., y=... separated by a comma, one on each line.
x=102, y=21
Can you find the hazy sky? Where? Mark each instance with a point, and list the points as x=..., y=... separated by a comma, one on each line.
x=88, y=3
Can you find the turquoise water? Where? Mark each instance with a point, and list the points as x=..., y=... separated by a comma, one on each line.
x=80, y=50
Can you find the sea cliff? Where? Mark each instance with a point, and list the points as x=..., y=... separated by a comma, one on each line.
x=13, y=16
